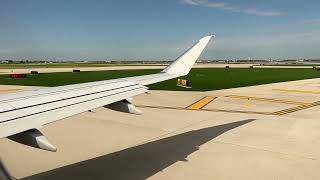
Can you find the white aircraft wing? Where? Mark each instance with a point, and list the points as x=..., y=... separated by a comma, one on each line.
x=23, y=113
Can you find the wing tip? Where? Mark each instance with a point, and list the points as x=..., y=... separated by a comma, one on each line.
x=182, y=65
x=207, y=38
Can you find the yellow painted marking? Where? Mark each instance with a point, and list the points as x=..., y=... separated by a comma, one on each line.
x=201, y=103
x=294, y=109
x=279, y=113
x=248, y=105
x=297, y=91
x=9, y=90
x=268, y=100
x=207, y=110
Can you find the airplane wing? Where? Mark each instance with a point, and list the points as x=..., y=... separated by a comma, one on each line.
x=23, y=113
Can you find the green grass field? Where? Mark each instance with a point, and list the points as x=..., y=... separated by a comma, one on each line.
x=200, y=79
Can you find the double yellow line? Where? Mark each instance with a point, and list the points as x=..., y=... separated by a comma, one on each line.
x=268, y=100
x=297, y=91
x=207, y=110
x=294, y=109
x=208, y=99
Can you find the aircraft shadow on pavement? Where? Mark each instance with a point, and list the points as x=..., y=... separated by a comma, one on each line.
x=139, y=162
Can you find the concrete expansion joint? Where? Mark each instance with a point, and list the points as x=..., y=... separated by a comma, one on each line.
x=266, y=150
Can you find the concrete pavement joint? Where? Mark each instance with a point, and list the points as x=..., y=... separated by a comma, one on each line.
x=266, y=150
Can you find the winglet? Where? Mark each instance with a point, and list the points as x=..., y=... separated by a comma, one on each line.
x=184, y=63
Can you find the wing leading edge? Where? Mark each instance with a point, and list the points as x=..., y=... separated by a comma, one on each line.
x=26, y=111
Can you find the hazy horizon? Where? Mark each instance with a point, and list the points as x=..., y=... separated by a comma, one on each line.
x=158, y=30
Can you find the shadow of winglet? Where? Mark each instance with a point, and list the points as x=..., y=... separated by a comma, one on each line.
x=140, y=162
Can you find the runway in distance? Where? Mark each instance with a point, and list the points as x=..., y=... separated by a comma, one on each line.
x=22, y=114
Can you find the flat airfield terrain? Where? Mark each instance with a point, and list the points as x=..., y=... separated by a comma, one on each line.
x=201, y=79
x=258, y=132
x=69, y=67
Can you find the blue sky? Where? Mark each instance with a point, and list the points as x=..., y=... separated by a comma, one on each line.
x=158, y=29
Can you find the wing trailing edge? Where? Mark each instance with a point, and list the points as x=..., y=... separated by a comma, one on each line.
x=23, y=113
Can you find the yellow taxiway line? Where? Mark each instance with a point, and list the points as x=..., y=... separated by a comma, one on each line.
x=9, y=90
x=206, y=110
x=268, y=100
x=197, y=106
x=294, y=109
x=297, y=91
x=201, y=103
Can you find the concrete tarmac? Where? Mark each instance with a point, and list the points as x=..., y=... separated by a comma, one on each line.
x=229, y=138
